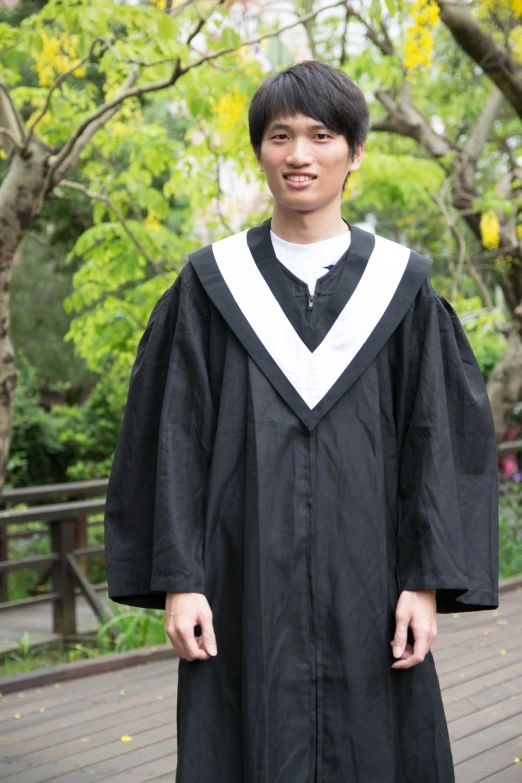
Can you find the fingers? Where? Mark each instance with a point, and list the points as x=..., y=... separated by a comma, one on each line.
x=183, y=612
x=207, y=631
x=411, y=656
x=402, y=621
x=418, y=610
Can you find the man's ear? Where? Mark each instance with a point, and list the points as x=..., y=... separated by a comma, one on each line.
x=358, y=157
x=258, y=158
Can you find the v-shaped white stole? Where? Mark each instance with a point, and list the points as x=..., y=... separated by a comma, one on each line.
x=312, y=373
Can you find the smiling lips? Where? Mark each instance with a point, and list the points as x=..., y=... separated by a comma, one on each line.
x=299, y=177
x=299, y=180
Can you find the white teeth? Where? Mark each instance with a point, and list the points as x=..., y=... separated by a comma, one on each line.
x=298, y=178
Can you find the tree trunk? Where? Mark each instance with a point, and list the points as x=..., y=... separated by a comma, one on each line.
x=505, y=382
x=20, y=197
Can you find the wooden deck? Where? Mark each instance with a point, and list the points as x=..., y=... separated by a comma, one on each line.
x=72, y=733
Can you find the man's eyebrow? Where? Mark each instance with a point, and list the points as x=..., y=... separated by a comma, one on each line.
x=285, y=126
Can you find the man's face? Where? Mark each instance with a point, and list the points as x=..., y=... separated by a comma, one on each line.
x=305, y=163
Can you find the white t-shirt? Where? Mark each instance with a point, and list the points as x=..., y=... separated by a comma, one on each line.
x=311, y=261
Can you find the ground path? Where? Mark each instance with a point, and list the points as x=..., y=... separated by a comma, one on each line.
x=73, y=732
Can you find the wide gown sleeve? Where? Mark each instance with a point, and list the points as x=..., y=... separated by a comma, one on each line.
x=448, y=493
x=155, y=506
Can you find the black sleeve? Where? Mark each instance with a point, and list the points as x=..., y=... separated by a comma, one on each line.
x=448, y=517
x=155, y=506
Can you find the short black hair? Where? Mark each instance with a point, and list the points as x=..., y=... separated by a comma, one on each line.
x=317, y=90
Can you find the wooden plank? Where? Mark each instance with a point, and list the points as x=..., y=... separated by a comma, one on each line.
x=483, y=765
x=482, y=719
x=506, y=690
x=71, y=734
x=468, y=658
x=100, y=737
x=112, y=756
x=75, y=712
x=511, y=774
x=485, y=682
x=112, y=682
x=482, y=741
x=96, y=763
x=148, y=771
x=494, y=663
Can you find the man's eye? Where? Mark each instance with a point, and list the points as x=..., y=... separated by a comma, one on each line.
x=323, y=134
x=278, y=135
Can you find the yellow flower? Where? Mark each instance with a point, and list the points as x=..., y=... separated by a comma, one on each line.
x=230, y=110
x=490, y=229
x=418, y=47
x=519, y=231
x=160, y=4
x=152, y=222
x=118, y=128
x=57, y=55
x=517, y=7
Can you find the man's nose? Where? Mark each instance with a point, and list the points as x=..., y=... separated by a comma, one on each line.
x=299, y=154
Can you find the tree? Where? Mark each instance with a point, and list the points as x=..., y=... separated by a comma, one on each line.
x=416, y=72
x=75, y=83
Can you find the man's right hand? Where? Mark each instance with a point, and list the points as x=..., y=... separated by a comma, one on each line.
x=183, y=611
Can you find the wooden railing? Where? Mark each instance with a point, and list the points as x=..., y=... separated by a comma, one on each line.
x=66, y=525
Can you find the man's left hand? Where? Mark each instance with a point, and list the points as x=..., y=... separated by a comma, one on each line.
x=418, y=609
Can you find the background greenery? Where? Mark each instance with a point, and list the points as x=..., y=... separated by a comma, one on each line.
x=147, y=189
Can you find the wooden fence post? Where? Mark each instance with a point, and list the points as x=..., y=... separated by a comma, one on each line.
x=4, y=555
x=64, y=608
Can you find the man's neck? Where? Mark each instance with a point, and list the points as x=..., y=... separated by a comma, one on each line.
x=303, y=228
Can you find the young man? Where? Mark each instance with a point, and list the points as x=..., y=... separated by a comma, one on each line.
x=306, y=473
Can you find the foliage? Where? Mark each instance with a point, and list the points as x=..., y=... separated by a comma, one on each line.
x=67, y=442
x=36, y=452
x=510, y=550
x=487, y=342
x=136, y=628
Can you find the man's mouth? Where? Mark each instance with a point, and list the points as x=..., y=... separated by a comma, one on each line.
x=299, y=177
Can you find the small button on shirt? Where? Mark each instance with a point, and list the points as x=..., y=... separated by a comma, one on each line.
x=311, y=261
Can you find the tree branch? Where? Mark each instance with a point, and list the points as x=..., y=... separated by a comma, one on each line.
x=59, y=80
x=484, y=124
x=264, y=36
x=10, y=119
x=463, y=253
x=403, y=118
x=62, y=163
x=495, y=60
x=11, y=136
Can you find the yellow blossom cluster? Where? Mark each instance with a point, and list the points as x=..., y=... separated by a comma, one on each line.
x=229, y=110
x=519, y=231
x=490, y=229
x=486, y=7
x=418, y=48
x=152, y=221
x=118, y=128
x=160, y=4
x=57, y=55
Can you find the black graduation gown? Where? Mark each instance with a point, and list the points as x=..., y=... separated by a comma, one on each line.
x=301, y=488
